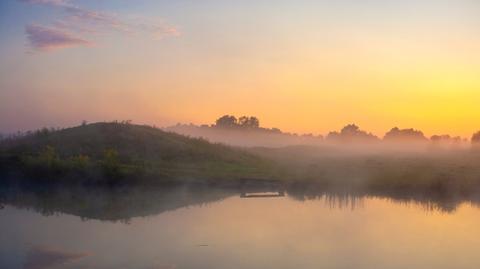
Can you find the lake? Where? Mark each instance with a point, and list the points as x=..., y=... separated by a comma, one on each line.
x=180, y=228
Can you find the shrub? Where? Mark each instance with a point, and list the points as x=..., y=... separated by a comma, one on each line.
x=110, y=163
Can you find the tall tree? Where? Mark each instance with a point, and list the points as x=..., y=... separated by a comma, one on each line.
x=226, y=121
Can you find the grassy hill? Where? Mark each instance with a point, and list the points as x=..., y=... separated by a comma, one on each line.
x=118, y=151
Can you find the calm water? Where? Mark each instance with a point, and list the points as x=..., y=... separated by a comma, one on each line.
x=181, y=229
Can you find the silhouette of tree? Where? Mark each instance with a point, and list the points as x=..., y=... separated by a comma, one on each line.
x=226, y=121
x=396, y=134
x=476, y=139
x=243, y=121
x=440, y=138
x=254, y=122
x=248, y=122
x=351, y=133
x=446, y=140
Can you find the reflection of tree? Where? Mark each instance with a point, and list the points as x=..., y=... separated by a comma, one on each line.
x=353, y=199
x=124, y=203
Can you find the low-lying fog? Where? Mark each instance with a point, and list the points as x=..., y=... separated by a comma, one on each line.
x=349, y=140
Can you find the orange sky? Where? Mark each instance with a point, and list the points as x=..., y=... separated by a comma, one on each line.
x=304, y=67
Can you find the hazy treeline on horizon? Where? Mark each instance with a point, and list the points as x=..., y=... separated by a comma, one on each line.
x=246, y=131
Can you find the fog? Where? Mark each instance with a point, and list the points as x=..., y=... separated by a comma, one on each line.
x=350, y=140
x=404, y=163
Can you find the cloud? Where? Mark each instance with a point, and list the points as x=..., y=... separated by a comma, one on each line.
x=86, y=20
x=42, y=257
x=46, y=2
x=43, y=38
x=76, y=15
x=77, y=25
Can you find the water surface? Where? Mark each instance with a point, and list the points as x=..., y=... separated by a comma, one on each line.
x=224, y=229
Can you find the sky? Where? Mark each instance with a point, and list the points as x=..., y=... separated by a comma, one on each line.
x=302, y=66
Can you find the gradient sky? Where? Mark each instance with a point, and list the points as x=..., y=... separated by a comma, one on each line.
x=302, y=66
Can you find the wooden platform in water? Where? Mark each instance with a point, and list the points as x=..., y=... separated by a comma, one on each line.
x=262, y=194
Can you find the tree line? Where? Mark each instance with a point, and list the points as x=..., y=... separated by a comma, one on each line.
x=228, y=121
x=350, y=132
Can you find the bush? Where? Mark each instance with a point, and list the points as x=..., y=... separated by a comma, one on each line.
x=110, y=163
x=80, y=162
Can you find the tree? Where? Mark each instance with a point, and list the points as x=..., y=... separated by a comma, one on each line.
x=226, y=121
x=253, y=122
x=243, y=121
x=110, y=162
x=42, y=132
x=276, y=130
x=476, y=139
x=396, y=134
x=249, y=122
x=350, y=129
x=80, y=162
x=440, y=138
x=351, y=133
x=49, y=157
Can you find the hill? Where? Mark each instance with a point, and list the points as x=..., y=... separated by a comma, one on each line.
x=120, y=151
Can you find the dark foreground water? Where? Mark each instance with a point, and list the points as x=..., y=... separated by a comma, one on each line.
x=180, y=228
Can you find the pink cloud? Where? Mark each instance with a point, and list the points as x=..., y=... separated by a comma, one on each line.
x=47, y=2
x=43, y=257
x=43, y=38
x=76, y=22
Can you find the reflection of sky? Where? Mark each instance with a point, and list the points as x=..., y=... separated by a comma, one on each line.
x=376, y=63
x=238, y=232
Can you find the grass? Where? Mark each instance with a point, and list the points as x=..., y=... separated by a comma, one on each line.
x=118, y=152
x=431, y=173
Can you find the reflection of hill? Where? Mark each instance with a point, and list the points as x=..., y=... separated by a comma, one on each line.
x=109, y=204
x=124, y=203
